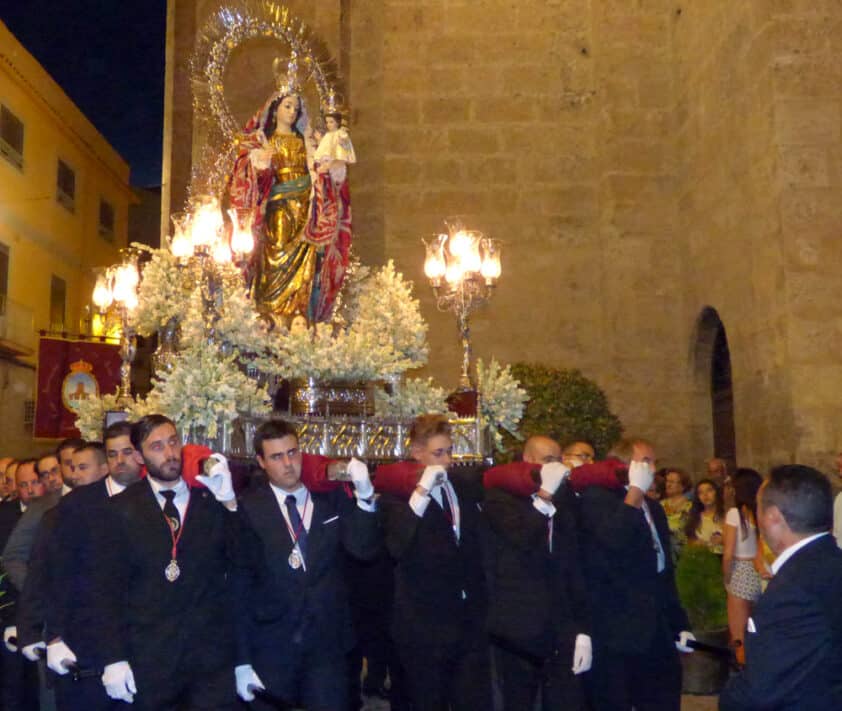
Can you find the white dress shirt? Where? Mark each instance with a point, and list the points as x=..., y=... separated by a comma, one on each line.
x=793, y=549
x=182, y=494
x=419, y=503
x=113, y=487
x=659, y=548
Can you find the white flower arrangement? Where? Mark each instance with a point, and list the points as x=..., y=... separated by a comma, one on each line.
x=385, y=312
x=502, y=400
x=90, y=415
x=204, y=389
x=416, y=396
x=160, y=294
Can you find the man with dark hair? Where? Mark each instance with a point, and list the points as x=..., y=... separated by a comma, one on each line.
x=162, y=626
x=49, y=472
x=64, y=454
x=71, y=564
x=432, y=525
x=629, y=576
x=293, y=621
x=794, y=636
x=577, y=453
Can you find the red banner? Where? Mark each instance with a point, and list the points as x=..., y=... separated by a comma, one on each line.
x=68, y=373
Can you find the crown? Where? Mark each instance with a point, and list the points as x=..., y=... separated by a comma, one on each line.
x=287, y=82
x=80, y=366
x=333, y=103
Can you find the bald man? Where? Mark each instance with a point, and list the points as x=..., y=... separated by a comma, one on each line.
x=538, y=614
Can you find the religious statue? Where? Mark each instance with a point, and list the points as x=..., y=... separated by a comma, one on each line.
x=302, y=218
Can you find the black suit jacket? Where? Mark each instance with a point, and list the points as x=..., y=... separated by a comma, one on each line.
x=537, y=598
x=164, y=629
x=432, y=571
x=283, y=612
x=794, y=656
x=71, y=577
x=635, y=609
x=10, y=513
x=34, y=598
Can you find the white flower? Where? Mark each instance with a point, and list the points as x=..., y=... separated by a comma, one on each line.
x=413, y=397
x=502, y=400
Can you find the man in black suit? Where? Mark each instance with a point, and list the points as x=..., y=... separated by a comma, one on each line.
x=433, y=531
x=538, y=608
x=162, y=602
x=19, y=681
x=637, y=616
x=293, y=620
x=794, y=636
x=71, y=565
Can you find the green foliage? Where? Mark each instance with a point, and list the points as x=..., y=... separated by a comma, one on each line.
x=698, y=577
x=565, y=405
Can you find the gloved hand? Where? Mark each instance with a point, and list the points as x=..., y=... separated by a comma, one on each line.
x=118, y=680
x=247, y=679
x=8, y=633
x=218, y=478
x=30, y=651
x=358, y=472
x=552, y=474
x=432, y=477
x=57, y=654
x=641, y=475
x=582, y=654
x=683, y=638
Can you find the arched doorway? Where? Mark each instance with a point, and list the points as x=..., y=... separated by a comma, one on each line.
x=713, y=369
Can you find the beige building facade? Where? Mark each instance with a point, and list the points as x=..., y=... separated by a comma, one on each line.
x=64, y=199
x=661, y=174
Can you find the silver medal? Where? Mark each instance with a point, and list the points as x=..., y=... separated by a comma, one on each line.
x=172, y=571
x=294, y=559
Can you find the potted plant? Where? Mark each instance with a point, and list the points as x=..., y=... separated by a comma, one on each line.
x=698, y=576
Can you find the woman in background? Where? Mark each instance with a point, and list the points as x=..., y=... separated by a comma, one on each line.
x=742, y=564
x=707, y=517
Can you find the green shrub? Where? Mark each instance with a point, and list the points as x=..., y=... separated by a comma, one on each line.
x=698, y=577
x=565, y=405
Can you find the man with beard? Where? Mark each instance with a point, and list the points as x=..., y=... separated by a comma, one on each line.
x=161, y=624
x=71, y=569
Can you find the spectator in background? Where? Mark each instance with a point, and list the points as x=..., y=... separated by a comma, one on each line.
x=706, y=517
x=676, y=506
x=741, y=561
x=8, y=481
x=658, y=490
x=718, y=473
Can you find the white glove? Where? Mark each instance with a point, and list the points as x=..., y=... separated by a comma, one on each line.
x=358, y=472
x=218, y=479
x=641, y=475
x=582, y=654
x=30, y=651
x=57, y=654
x=683, y=638
x=247, y=681
x=118, y=680
x=432, y=477
x=552, y=474
x=8, y=633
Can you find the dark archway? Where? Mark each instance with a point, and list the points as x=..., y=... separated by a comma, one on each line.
x=713, y=367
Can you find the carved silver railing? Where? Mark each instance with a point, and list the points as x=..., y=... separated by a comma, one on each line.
x=369, y=438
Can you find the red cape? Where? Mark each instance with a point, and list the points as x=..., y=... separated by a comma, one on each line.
x=398, y=479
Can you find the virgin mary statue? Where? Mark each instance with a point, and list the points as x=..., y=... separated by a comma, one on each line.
x=302, y=220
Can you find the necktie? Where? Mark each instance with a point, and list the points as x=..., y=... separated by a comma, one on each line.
x=170, y=510
x=448, y=512
x=298, y=531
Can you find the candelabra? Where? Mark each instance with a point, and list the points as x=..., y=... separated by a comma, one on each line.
x=463, y=267
x=117, y=286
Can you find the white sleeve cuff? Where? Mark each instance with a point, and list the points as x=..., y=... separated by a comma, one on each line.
x=541, y=506
x=369, y=506
x=419, y=503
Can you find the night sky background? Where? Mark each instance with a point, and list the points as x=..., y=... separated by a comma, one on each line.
x=108, y=56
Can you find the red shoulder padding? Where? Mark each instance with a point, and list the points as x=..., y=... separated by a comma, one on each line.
x=516, y=478
x=398, y=479
x=523, y=478
x=191, y=457
x=314, y=474
x=602, y=474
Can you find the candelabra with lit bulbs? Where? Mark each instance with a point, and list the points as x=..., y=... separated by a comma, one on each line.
x=463, y=267
x=202, y=242
x=117, y=287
